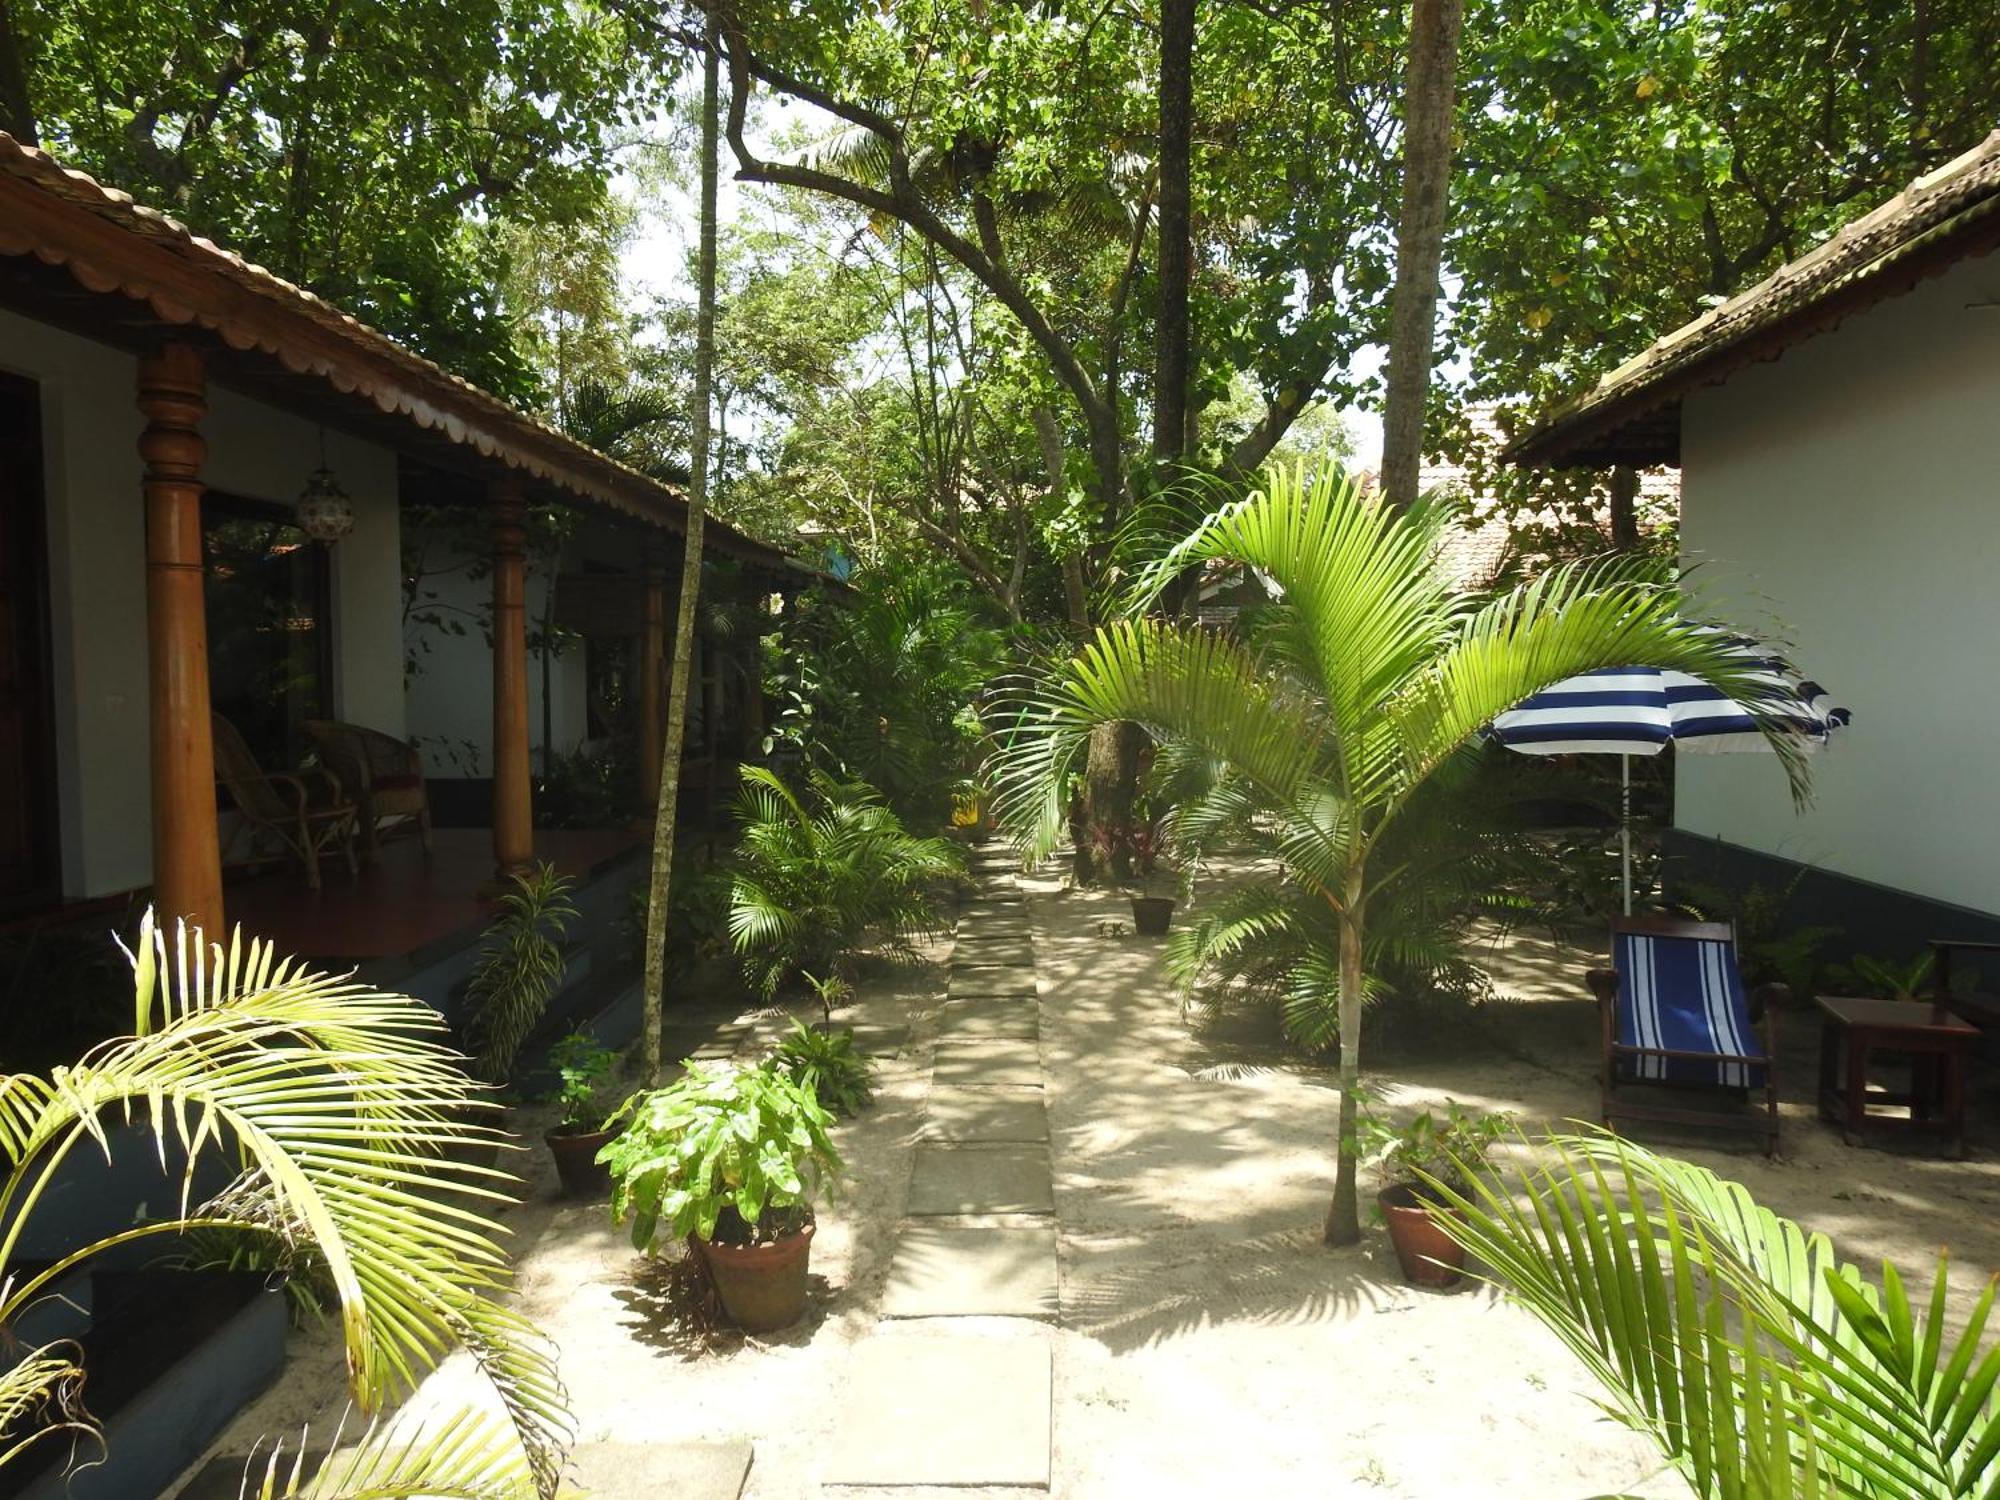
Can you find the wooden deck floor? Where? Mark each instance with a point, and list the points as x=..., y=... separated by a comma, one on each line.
x=403, y=901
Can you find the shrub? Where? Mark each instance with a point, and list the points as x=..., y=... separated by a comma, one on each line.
x=824, y=1063
x=520, y=965
x=581, y=1066
x=733, y=1156
x=818, y=872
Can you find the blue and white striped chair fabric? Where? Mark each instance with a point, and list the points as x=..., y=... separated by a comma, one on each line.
x=1685, y=994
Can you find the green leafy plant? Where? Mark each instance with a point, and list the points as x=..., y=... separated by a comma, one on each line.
x=331, y=1100
x=819, y=872
x=1761, y=1365
x=824, y=1063
x=581, y=1066
x=520, y=965
x=1369, y=677
x=1888, y=978
x=1451, y=1150
x=735, y=1156
x=885, y=692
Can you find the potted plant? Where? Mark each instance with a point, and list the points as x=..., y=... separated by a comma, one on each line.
x=581, y=1066
x=1153, y=904
x=731, y=1160
x=1412, y=1162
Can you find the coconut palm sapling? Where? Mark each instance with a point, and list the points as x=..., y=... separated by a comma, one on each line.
x=1370, y=674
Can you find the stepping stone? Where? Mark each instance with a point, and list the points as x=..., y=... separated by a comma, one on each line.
x=942, y=1272
x=994, y=925
x=931, y=1408
x=645, y=1471
x=990, y=981
x=986, y=1115
x=994, y=1062
x=1009, y=1179
x=995, y=1016
x=1000, y=952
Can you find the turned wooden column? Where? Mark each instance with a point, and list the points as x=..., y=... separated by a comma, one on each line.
x=652, y=677
x=187, y=854
x=513, y=797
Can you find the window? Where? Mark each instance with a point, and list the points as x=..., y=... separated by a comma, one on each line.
x=269, y=625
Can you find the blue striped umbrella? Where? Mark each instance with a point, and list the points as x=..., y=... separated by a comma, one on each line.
x=1628, y=711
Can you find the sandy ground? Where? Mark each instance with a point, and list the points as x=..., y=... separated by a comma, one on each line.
x=1208, y=1343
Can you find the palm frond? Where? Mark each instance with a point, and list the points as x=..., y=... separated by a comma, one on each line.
x=1759, y=1362
x=1195, y=685
x=339, y=1105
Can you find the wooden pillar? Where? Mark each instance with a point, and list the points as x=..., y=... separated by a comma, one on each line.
x=652, y=677
x=187, y=854
x=513, y=798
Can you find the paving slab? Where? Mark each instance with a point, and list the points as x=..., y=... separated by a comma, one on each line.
x=986, y=1016
x=649, y=1471
x=931, y=1408
x=1004, y=952
x=946, y=1272
x=985, y=927
x=974, y=981
x=998, y=1060
x=1005, y=1179
x=986, y=1115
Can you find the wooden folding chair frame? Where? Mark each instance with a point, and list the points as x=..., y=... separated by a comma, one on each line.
x=1762, y=1002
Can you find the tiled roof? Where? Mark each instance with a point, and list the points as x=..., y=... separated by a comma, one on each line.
x=188, y=280
x=1632, y=414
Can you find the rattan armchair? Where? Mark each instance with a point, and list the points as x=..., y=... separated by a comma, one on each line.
x=306, y=821
x=385, y=775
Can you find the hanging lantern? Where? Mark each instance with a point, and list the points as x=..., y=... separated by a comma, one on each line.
x=324, y=512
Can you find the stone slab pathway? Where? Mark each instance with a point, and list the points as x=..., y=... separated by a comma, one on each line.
x=945, y=1408
x=954, y=1388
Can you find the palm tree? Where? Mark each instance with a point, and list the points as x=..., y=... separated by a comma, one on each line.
x=666, y=808
x=1369, y=677
x=341, y=1112
x=1762, y=1365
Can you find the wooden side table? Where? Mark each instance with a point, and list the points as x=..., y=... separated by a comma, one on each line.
x=1936, y=1042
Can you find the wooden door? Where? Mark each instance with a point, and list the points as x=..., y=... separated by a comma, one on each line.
x=29, y=872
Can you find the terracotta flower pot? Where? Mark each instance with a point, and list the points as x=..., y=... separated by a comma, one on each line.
x=1152, y=915
x=577, y=1167
x=762, y=1287
x=1428, y=1255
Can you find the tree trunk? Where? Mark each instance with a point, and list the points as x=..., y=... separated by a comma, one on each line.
x=653, y=1003
x=1176, y=258
x=1428, y=107
x=1110, y=786
x=1624, y=515
x=1343, y=1215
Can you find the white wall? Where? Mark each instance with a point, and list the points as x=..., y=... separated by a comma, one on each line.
x=450, y=699
x=1846, y=498
x=97, y=580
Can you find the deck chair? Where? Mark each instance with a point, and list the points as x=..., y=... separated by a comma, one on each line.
x=1676, y=1015
x=283, y=805
x=385, y=775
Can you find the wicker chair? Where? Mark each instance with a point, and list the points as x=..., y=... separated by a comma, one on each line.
x=385, y=774
x=282, y=805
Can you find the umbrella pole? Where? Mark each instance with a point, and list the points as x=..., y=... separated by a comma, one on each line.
x=1625, y=827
